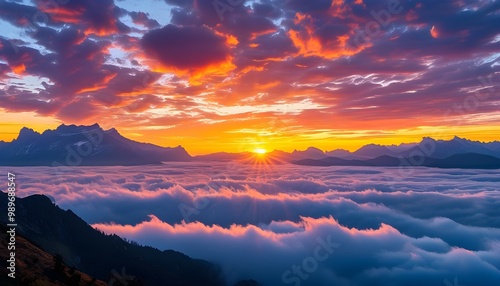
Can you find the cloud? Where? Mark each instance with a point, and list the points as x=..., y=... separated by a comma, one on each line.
x=359, y=257
x=421, y=226
x=100, y=18
x=310, y=6
x=186, y=48
x=142, y=18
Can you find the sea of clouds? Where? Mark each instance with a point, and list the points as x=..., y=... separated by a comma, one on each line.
x=296, y=225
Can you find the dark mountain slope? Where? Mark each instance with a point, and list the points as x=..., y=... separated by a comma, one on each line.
x=35, y=266
x=90, y=251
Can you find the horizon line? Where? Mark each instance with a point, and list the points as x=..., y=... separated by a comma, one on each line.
x=97, y=125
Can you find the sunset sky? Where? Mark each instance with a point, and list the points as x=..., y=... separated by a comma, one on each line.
x=239, y=75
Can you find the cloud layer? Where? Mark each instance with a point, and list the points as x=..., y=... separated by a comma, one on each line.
x=284, y=225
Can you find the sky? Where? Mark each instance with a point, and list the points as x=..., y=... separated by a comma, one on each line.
x=217, y=75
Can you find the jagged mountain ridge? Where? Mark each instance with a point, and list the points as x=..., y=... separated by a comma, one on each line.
x=71, y=145
x=440, y=149
x=429, y=147
x=459, y=161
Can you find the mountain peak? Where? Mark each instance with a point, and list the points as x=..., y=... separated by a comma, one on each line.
x=95, y=125
x=72, y=128
x=428, y=140
x=112, y=130
x=371, y=146
x=456, y=138
x=26, y=130
x=309, y=150
x=313, y=149
x=109, y=148
x=27, y=134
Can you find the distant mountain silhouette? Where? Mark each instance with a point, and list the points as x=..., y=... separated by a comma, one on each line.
x=309, y=153
x=455, y=153
x=274, y=157
x=441, y=149
x=463, y=161
x=71, y=145
x=428, y=147
x=223, y=156
x=340, y=153
x=371, y=151
x=401, y=147
x=90, y=251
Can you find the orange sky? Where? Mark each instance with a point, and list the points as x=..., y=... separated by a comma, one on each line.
x=239, y=139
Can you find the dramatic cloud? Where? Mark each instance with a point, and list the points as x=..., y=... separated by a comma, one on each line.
x=186, y=47
x=397, y=70
x=97, y=17
x=372, y=225
x=143, y=19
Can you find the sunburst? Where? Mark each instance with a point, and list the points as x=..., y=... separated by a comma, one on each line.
x=260, y=151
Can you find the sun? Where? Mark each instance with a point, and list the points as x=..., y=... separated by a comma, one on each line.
x=260, y=151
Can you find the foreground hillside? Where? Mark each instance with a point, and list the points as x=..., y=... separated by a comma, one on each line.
x=80, y=246
x=37, y=267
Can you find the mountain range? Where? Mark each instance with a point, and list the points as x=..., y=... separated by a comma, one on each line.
x=71, y=145
x=455, y=153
